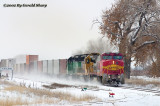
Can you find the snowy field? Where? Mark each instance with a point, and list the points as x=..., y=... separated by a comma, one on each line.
x=95, y=93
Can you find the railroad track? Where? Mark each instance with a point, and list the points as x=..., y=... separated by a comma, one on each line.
x=140, y=89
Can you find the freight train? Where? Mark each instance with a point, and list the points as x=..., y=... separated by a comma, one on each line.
x=107, y=68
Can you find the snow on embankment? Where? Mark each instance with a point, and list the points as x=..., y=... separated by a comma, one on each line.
x=143, y=82
x=54, y=79
x=100, y=93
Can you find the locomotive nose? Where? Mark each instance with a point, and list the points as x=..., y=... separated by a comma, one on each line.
x=112, y=65
x=113, y=61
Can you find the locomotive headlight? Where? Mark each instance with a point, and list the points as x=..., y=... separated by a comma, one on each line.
x=113, y=62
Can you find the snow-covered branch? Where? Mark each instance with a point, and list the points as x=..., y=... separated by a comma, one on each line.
x=152, y=35
x=144, y=44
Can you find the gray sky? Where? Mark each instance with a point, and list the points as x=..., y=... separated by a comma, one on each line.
x=52, y=32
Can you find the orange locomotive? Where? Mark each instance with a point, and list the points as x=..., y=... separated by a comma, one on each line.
x=110, y=68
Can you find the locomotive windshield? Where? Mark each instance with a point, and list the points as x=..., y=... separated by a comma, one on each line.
x=117, y=57
x=107, y=57
x=114, y=57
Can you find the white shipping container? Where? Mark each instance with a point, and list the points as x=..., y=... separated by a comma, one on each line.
x=45, y=64
x=21, y=68
x=35, y=66
x=56, y=67
x=50, y=67
x=20, y=59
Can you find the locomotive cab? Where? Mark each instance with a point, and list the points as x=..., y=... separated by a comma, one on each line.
x=90, y=60
x=111, y=68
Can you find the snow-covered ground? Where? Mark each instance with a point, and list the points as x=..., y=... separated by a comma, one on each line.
x=144, y=82
x=147, y=78
x=122, y=97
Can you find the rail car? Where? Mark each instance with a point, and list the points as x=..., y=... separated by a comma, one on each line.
x=108, y=68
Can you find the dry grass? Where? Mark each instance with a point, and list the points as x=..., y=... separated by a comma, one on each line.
x=49, y=94
x=16, y=88
x=19, y=101
x=141, y=82
x=11, y=102
x=46, y=96
x=4, y=82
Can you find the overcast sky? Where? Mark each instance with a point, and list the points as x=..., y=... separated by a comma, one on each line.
x=53, y=32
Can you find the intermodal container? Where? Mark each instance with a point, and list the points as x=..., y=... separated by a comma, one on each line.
x=35, y=66
x=31, y=58
x=40, y=66
x=31, y=66
x=22, y=68
x=50, y=67
x=63, y=66
x=20, y=59
x=45, y=66
x=56, y=67
x=25, y=68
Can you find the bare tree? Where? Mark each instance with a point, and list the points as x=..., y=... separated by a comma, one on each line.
x=132, y=25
